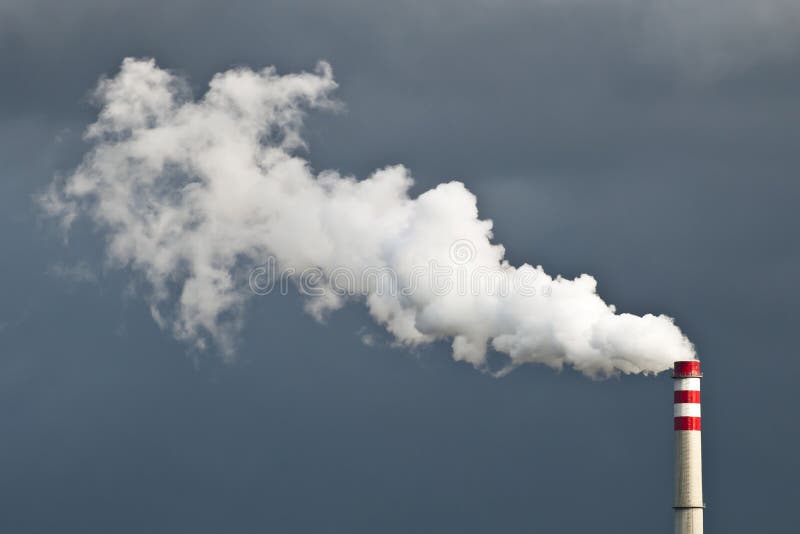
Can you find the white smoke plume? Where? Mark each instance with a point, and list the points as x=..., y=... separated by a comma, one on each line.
x=188, y=191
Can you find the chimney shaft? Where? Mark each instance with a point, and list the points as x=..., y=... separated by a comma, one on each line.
x=688, y=502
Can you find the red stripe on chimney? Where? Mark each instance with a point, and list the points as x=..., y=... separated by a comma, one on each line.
x=687, y=396
x=687, y=423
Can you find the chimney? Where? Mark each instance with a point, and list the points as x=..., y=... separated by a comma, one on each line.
x=688, y=502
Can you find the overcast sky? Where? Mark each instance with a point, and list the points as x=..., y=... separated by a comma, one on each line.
x=655, y=145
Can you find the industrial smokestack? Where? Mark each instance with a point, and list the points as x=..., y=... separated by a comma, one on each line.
x=688, y=503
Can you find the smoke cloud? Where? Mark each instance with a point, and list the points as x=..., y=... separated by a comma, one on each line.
x=192, y=193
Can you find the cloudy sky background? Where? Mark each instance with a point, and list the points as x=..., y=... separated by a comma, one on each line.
x=651, y=144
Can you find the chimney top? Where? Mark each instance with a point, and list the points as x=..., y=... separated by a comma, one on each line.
x=687, y=369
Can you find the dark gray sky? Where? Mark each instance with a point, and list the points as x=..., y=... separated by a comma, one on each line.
x=653, y=145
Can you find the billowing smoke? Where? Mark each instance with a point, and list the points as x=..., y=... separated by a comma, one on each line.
x=191, y=194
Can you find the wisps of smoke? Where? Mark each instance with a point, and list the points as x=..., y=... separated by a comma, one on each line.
x=188, y=191
x=78, y=273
